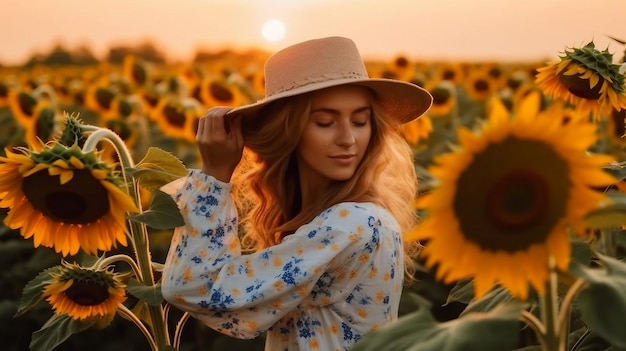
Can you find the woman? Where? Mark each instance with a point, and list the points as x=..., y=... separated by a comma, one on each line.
x=325, y=201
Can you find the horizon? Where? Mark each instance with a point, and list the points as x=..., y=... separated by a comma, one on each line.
x=476, y=30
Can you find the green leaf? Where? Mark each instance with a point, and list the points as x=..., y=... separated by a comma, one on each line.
x=419, y=331
x=31, y=294
x=158, y=267
x=158, y=168
x=150, y=294
x=462, y=291
x=56, y=330
x=612, y=215
x=494, y=298
x=162, y=214
x=603, y=301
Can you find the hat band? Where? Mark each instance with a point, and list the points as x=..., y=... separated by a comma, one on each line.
x=319, y=79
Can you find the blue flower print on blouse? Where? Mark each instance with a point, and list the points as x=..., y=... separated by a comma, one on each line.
x=321, y=288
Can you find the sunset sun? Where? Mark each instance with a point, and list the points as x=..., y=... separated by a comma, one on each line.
x=273, y=30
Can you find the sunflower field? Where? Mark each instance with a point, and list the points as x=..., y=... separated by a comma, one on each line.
x=523, y=212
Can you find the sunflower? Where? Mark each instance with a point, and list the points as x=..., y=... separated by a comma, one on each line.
x=586, y=78
x=417, y=130
x=517, y=79
x=478, y=85
x=257, y=81
x=454, y=72
x=64, y=199
x=42, y=129
x=4, y=94
x=507, y=197
x=523, y=91
x=69, y=90
x=497, y=72
x=444, y=97
x=220, y=92
x=106, y=102
x=401, y=68
x=149, y=98
x=176, y=119
x=84, y=293
x=135, y=71
x=25, y=107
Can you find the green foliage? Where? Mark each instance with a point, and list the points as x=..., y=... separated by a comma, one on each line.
x=157, y=168
x=56, y=330
x=419, y=331
x=31, y=294
x=603, y=300
x=149, y=294
x=611, y=215
x=162, y=214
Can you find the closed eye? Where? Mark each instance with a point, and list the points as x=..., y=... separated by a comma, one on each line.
x=324, y=124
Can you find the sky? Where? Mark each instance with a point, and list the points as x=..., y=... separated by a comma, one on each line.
x=507, y=30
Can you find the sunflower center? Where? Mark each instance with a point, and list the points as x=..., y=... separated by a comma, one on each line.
x=440, y=96
x=481, y=85
x=401, y=62
x=151, y=99
x=579, y=86
x=104, y=98
x=449, y=74
x=4, y=90
x=220, y=92
x=86, y=293
x=82, y=200
x=139, y=74
x=27, y=103
x=512, y=195
x=517, y=199
x=175, y=116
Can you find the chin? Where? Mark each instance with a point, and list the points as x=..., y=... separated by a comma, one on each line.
x=342, y=177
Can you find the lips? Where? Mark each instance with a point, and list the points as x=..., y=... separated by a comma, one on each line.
x=348, y=158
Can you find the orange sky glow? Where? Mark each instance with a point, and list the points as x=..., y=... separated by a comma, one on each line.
x=508, y=30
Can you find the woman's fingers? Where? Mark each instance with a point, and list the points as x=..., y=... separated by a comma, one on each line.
x=220, y=143
x=211, y=127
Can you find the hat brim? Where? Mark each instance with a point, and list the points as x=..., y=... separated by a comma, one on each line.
x=400, y=100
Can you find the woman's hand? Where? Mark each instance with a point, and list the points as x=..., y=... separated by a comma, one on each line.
x=220, y=143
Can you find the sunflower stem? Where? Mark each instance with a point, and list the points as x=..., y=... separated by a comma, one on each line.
x=535, y=324
x=549, y=311
x=125, y=312
x=179, y=329
x=138, y=230
x=564, y=313
x=120, y=258
x=100, y=134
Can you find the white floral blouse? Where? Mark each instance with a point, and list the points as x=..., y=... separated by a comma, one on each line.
x=321, y=288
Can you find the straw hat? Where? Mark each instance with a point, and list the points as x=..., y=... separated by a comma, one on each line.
x=321, y=63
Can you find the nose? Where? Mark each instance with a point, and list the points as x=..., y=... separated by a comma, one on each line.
x=345, y=135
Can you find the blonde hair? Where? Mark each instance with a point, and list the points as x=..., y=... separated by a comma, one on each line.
x=267, y=182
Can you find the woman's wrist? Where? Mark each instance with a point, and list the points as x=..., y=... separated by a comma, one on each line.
x=221, y=175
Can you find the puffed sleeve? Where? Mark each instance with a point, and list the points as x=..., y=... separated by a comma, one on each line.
x=244, y=295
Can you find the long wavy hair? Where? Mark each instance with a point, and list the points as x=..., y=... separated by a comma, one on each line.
x=267, y=181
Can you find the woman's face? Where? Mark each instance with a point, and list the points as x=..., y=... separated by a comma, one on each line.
x=336, y=135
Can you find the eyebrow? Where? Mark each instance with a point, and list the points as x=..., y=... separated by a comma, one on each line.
x=336, y=112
